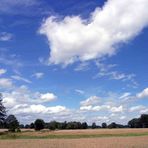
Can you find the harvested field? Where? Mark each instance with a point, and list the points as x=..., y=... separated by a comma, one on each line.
x=86, y=132
x=98, y=138
x=112, y=142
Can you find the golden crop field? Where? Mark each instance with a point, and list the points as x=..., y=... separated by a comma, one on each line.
x=99, y=138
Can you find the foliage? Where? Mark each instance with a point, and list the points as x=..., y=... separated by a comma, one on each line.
x=141, y=122
x=39, y=124
x=84, y=125
x=104, y=125
x=94, y=125
x=32, y=126
x=12, y=123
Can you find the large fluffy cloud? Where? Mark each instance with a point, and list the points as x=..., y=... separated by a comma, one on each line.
x=73, y=38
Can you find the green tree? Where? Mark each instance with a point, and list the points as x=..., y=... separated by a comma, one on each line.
x=104, y=125
x=94, y=125
x=12, y=123
x=39, y=124
x=135, y=123
x=32, y=125
x=144, y=120
x=53, y=125
x=84, y=125
x=112, y=125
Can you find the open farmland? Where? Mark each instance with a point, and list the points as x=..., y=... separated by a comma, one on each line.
x=103, y=138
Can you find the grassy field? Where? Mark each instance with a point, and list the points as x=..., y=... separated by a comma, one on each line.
x=103, y=138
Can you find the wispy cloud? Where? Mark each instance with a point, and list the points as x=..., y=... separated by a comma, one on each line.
x=106, y=70
x=19, y=78
x=82, y=67
x=9, y=59
x=6, y=83
x=4, y=36
x=80, y=91
x=21, y=7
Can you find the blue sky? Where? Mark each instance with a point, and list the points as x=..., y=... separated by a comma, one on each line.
x=74, y=60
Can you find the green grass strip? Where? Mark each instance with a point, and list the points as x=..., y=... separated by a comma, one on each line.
x=16, y=136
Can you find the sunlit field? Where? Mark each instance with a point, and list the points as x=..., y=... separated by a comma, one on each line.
x=103, y=138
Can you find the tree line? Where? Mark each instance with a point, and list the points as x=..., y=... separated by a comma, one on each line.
x=10, y=122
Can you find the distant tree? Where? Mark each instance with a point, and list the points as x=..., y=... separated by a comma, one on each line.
x=84, y=125
x=21, y=126
x=135, y=123
x=94, y=125
x=2, y=112
x=112, y=125
x=104, y=125
x=144, y=120
x=62, y=125
x=53, y=125
x=32, y=125
x=39, y=124
x=12, y=123
x=27, y=126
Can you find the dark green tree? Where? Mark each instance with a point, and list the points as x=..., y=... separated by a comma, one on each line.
x=39, y=124
x=84, y=125
x=144, y=120
x=112, y=125
x=135, y=123
x=94, y=125
x=53, y=125
x=104, y=125
x=32, y=125
x=12, y=123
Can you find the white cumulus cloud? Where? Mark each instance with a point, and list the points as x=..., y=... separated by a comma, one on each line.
x=75, y=39
x=48, y=97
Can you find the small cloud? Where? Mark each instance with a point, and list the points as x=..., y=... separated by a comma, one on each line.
x=48, y=97
x=2, y=71
x=4, y=36
x=79, y=91
x=38, y=75
x=82, y=67
x=117, y=109
x=93, y=100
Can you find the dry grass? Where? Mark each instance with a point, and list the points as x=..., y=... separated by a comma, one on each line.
x=86, y=132
x=112, y=138
x=112, y=142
